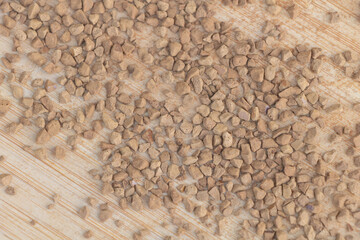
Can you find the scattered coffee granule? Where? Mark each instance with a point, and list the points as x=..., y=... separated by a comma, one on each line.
x=14, y=127
x=274, y=9
x=42, y=137
x=56, y=198
x=59, y=152
x=50, y=206
x=17, y=91
x=41, y=153
x=169, y=238
x=88, y=234
x=33, y=222
x=5, y=179
x=334, y=17
x=84, y=212
x=118, y=223
x=293, y=11
x=4, y=106
x=92, y=201
x=10, y=190
x=2, y=158
x=105, y=214
x=140, y=234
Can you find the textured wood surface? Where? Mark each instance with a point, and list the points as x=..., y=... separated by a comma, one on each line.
x=36, y=181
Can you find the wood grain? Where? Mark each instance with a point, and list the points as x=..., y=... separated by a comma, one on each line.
x=36, y=181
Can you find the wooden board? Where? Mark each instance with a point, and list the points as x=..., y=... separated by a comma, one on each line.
x=36, y=181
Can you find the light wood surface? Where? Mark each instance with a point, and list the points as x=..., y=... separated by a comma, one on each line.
x=36, y=181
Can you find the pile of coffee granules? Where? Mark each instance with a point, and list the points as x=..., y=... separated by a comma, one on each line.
x=224, y=124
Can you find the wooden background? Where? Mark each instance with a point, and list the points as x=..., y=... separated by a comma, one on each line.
x=36, y=181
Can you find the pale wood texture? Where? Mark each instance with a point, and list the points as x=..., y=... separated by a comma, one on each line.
x=36, y=181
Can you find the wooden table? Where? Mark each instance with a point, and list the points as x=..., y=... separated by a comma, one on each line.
x=37, y=180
